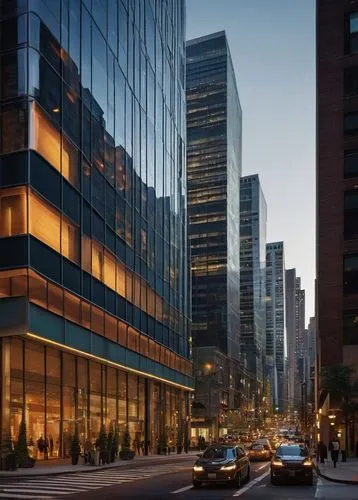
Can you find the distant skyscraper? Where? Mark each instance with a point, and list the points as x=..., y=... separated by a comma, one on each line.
x=214, y=170
x=292, y=369
x=275, y=322
x=253, y=216
x=297, y=347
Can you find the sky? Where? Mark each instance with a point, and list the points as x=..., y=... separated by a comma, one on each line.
x=272, y=45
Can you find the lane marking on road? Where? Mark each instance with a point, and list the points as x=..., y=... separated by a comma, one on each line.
x=181, y=490
x=241, y=491
x=319, y=483
x=263, y=466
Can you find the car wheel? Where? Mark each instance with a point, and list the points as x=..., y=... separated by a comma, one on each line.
x=237, y=480
x=274, y=480
x=248, y=475
x=196, y=484
x=309, y=481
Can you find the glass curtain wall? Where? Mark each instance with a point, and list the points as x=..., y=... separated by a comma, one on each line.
x=53, y=390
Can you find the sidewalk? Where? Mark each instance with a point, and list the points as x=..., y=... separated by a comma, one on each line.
x=61, y=466
x=345, y=472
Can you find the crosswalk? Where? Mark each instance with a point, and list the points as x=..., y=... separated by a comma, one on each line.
x=70, y=484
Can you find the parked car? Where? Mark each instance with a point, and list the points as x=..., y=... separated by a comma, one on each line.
x=222, y=464
x=259, y=452
x=291, y=462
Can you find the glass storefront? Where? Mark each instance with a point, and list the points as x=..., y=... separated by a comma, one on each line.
x=53, y=390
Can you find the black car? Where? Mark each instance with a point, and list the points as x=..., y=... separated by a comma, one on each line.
x=222, y=464
x=291, y=462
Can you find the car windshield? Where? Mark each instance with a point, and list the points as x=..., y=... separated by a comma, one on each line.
x=292, y=451
x=217, y=453
x=257, y=447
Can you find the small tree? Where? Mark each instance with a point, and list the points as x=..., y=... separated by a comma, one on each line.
x=116, y=440
x=103, y=445
x=22, y=453
x=6, y=450
x=111, y=449
x=180, y=439
x=75, y=446
x=126, y=441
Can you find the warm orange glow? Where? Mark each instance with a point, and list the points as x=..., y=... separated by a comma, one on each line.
x=45, y=223
x=106, y=361
x=13, y=211
x=46, y=139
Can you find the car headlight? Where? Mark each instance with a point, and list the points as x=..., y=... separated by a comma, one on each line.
x=198, y=468
x=276, y=462
x=228, y=467
x=307, y=462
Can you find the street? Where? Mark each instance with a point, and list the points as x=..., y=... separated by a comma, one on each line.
x=162, y=481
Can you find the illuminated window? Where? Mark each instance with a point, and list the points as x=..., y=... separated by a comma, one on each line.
x=129, y=286
x=111, y=328
x=97, y=320
x=122, y=333
x=133, y=339
x=55, y=299
x=97, y=261
x=46, y=139
x=72, y=308
x=45, y=222
x=109, y=270
x=121, y=279
x=86, y=254
x=12, y=212
x=70, y=165
x=70, y=240
x=37, y=289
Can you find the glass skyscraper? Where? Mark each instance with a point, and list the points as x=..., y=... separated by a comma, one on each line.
x=94, y=308
x=276, y=342
x=253, y=216
x=214, y=170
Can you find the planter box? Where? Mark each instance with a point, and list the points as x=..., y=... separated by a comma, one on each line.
x=126, y=454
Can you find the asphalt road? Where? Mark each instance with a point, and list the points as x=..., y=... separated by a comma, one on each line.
x=163, y=481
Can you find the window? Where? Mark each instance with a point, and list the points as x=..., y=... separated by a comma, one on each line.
x=350, y=327
x=351, y=33
x=350, y=275
x=12, y=212
x=70, y=240
x=351, y=163
x=351, y=123
x=97, y=261
x=45, y=222
x=351, y=82
x=46, y=141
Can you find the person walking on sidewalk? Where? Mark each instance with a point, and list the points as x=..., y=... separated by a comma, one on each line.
x=322, y=451
x=335, y=451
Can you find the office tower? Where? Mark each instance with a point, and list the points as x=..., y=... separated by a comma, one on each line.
x=253, y=215
x=276, y=349
x=290, y=310
x=214, y=169
x=94, y=290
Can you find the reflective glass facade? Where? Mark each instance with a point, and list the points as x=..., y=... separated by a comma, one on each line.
x=214, y=170
x=93, y=193
x=276, y=343
x=253, y=216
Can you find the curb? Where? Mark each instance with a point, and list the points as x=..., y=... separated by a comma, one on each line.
x=329, y=478
x=92, y=468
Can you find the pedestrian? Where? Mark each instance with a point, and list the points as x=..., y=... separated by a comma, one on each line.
x=335, y=451
x=322, y=451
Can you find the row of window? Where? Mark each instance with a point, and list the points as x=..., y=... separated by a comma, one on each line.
x=54, y=229
x=49, y=296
